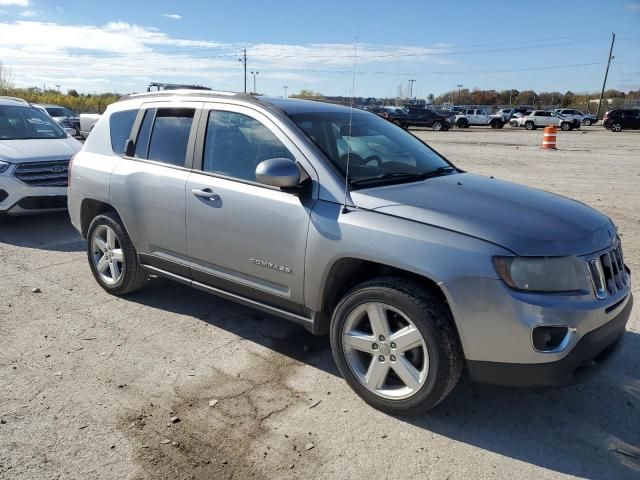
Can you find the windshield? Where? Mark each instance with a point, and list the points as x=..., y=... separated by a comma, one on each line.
x=377, y=149
x=59, y=112
x=21, y=123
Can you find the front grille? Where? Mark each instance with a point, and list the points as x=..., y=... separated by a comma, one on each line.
x=43, y=174
x=608, y=272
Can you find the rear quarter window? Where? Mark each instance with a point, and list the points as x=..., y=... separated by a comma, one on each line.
x=120, y=124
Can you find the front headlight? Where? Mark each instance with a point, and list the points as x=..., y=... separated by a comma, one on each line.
x=542, y=274
x=4, y=166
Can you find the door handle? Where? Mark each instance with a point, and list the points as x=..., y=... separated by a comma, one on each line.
x=205, y=193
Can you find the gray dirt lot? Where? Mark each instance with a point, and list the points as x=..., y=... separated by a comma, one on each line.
x=89, y=382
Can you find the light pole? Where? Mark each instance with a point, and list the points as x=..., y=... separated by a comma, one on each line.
x=285, y=90
x=254, y=81
x=459, y=87
x=411, y=82
x=243, y=61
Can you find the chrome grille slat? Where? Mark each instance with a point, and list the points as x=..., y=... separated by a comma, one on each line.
x=52, y=173
x=608, y=273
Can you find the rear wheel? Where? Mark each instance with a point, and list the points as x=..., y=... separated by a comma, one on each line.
x=437, y=126
x=462, y=123
x=616, y=127
x=112, y=256
x=513, y=123
x=396, y=346
x=565, y=126
x=529, y=126
x=586, y=122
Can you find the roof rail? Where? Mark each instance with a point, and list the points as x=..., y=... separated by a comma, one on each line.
x=17, y=99
x=185, y=91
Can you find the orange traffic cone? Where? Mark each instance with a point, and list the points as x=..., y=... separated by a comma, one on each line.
x=549, y=138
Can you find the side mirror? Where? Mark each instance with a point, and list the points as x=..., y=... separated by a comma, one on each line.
x=278, y=172
x=129, y=147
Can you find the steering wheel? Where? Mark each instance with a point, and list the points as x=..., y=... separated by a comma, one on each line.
x=358, y=160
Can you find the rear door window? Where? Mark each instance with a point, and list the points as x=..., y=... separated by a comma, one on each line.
x=120, y=124
x=167, y=139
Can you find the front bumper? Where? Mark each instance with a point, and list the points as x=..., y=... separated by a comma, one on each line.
x=17, y=198
x=588, y=356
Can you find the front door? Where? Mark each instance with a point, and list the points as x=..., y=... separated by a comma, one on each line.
x=245, y=237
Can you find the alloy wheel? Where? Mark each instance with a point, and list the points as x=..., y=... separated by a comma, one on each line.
x=107, y=255
x=385, y=351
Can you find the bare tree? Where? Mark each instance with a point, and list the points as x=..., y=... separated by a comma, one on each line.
x=6, y=78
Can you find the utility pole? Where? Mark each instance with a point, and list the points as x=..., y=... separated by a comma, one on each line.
x=459, y=87
x=254, y=81
x=411, y=82
x=243, y=60
x=285, y=90
x=606, y=73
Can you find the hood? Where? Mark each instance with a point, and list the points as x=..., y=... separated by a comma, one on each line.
x=527, y=221
x=37, y=150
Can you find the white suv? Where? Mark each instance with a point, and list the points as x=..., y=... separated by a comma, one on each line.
x=544, y=118
x=34, y=159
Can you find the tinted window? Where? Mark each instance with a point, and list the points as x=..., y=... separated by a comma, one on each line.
x=235, y=144
x=170, y=135
x=120, y=124
x=59, y=112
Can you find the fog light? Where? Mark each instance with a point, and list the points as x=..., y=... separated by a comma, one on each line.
x=550, y=339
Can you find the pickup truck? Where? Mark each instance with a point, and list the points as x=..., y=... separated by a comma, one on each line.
x=87, y=122
x=478, y=117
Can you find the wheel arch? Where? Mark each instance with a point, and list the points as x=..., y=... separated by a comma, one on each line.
x=348, y=272
x=89, y=209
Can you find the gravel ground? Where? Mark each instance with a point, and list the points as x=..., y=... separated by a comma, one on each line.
x=173, y=383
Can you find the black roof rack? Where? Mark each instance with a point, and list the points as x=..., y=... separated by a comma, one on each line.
x=174, y=86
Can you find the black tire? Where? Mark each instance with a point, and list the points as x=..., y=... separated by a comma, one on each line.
x=513, y=123
x=437, y=126
x=500, y=125
x=433, y=320
x=133, y=277
x=530, y=125
x=565, y=126
x=494, y=124
x=587, y=122
x=462, y=123
x=616, y=127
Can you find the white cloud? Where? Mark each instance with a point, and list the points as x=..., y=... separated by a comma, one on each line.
x=28, y=13
x=120, y=56
x=17, y=3
x=634, y=7
x=173, y=16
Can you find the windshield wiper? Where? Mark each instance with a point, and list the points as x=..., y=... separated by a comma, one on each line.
x=408, y=176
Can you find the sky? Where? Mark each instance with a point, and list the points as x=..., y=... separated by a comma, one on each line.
x=121, y=46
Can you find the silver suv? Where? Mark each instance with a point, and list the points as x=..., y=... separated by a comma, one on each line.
x=344, y=223
x=34, y=155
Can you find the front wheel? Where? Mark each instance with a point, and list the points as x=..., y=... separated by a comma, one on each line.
x=565, y=126
x=529, y=126
x=586, y=122
x=437, y=126
x=616, y=127
x=112, y=257
x=396, y=346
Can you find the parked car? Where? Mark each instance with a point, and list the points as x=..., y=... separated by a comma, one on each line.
x=396, y=115
x=34, y=156
x=425, y=117
x=622, y=119
x=583, y=118
x=544, y=118
x=517, y=119
x=87, y=122
x=415, y=268
x=506, y=114
x=64, y=116
x=477, y=117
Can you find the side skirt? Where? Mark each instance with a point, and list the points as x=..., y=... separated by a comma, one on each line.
x=306, y=322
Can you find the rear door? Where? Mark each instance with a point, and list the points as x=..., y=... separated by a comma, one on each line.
x=245, y=237
x=148, y=188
